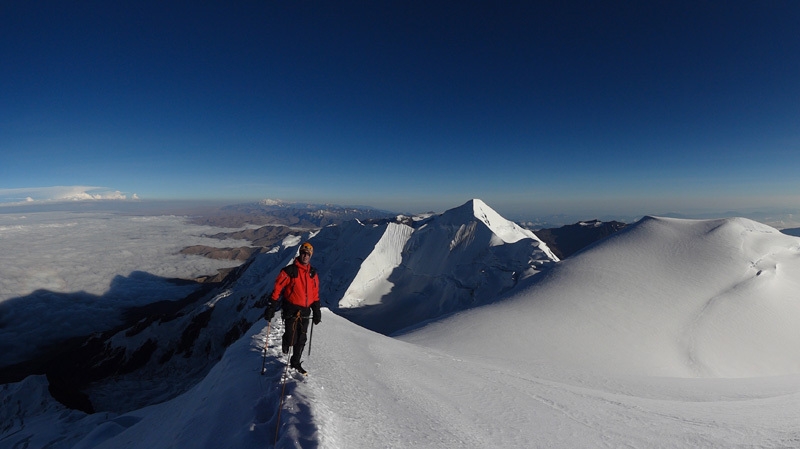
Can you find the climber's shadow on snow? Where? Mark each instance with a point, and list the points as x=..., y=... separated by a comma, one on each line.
x=296, y=428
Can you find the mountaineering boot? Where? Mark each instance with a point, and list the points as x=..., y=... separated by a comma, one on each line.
x=299, y=368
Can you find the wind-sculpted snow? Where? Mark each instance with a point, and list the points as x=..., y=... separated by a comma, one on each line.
x=371, y=282
x=665, y=297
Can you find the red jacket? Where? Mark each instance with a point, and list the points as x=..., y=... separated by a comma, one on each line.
x=301, y=290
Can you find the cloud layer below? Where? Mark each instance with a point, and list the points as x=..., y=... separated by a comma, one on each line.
x=71, y=252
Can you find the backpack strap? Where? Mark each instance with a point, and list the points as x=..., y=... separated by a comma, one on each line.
x=291, y=271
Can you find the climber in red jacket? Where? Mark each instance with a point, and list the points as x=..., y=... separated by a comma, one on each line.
x=298, y=284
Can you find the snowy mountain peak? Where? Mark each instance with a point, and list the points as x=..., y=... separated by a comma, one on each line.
x=472, y=209
x=506, y=231
x=391, y=275
x=501, y=230
x=270, y=202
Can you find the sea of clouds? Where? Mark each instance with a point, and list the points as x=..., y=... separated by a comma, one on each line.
x=73, y=252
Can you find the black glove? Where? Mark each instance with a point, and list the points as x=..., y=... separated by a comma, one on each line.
x=317, y=315
x=270, y=311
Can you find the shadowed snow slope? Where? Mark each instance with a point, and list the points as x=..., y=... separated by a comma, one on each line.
x=665, y=297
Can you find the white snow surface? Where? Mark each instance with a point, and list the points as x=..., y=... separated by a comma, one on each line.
x=667, y=297
x=672, y=333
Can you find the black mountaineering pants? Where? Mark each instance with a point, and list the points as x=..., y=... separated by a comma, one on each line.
x=295, y=320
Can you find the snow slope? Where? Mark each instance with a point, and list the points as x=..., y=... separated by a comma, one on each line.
x=665, y=297
x=367, y=390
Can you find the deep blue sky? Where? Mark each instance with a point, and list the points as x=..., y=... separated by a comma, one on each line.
x=534, y=107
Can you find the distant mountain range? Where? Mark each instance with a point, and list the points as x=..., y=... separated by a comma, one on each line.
x=282, y=219
x=297, y=215
x=567, y=240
